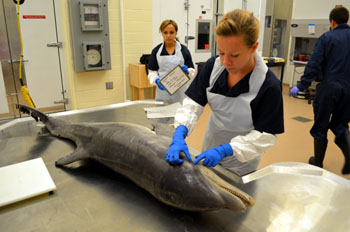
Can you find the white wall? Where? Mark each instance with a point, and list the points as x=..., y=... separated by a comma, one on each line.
x=164, y=9
x=316, y=9
x=233, y=4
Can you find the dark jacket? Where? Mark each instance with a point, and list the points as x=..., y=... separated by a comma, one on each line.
x=331, y=57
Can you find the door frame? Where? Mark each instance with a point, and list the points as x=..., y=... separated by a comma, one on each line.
x=10, y=35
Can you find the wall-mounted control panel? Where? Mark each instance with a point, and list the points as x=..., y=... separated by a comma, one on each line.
x=90, y=35
x=91, y=16
x=203, y=35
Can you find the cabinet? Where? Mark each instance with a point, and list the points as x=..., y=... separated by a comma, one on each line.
x=139, y=81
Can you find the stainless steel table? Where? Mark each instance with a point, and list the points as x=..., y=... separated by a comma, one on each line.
x=89, y=197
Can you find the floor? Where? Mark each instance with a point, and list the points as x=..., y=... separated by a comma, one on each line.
x=294, y=145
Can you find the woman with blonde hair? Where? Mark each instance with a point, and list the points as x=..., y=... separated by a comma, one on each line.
x=165, y=57
x=245, y=98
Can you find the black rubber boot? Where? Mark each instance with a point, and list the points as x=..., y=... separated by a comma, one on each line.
x=343, y=143
x=319, y=151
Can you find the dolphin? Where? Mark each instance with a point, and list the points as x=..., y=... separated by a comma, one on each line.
x=138, y=153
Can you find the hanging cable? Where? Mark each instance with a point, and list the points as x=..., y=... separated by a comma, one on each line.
x=24, y=88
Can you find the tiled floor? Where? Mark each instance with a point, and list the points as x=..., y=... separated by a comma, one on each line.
x=295, y=144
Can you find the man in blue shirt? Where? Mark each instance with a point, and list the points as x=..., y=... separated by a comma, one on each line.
x=331, y=57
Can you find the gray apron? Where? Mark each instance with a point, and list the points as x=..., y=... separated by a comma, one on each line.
x=166, y=64
x=232, y=116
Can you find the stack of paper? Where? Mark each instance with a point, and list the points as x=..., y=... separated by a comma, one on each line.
x=163, y=111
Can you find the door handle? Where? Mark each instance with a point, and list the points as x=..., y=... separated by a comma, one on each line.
x=16, y=61
x=189, y=37
x=62, y=101
x=58, y=44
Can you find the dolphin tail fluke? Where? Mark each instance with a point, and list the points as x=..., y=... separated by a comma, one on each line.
x=78, y=154
x=37, y=115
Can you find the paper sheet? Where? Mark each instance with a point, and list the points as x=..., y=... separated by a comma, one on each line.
x=311, y=29
x=174, y=80
x=163, y=111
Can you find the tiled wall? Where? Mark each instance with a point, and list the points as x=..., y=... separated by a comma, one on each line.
x=138, y=33
x=88, y=89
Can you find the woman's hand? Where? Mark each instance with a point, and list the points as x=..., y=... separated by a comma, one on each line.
x=160, y=86
x=214, y=155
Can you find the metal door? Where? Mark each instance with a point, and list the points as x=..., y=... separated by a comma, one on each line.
x=41, y=69
x=189, y=13
x=185, y=15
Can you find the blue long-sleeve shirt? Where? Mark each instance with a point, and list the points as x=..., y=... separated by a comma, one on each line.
x=331, y=57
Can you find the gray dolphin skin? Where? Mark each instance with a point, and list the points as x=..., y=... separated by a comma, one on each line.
x=138, y=153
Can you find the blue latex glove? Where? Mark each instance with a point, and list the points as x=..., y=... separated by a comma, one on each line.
x=214, y=155
x=160, y=86
x=293, y=92
x=178, y=145
x=185, y=68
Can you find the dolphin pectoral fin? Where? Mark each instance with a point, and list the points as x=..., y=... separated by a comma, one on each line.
x=78, y=154
x=44, y=131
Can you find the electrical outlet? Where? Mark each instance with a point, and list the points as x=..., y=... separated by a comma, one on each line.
x=109, y=85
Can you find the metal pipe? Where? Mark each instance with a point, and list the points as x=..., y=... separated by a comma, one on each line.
x=59, y=45
x=187, y=6
x=123, y=44
x=244, y=4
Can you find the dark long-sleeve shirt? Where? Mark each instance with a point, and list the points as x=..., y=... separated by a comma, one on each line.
x=331, y=57
x=153, y=63
x=267, y=106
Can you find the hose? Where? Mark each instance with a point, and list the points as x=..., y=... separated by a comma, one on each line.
x=24, y=88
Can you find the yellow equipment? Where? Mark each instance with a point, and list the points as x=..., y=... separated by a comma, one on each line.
x=24, y=88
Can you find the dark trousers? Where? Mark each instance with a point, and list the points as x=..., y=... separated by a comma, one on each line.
x=331, y=110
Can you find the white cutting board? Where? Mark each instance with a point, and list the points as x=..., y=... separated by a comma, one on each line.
x=24, y=180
